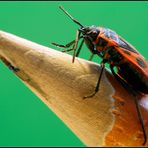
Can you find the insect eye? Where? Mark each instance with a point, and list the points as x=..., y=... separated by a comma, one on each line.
x=94, y=32
x=94, y=35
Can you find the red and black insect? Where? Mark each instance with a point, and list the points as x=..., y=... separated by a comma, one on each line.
x=127, y=65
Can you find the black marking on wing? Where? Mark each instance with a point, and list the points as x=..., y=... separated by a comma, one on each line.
x=127, y=52
x=114, y=55
x=141, y=63
x=122, y=43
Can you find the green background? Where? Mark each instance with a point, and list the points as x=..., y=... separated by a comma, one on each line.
x=24, y=119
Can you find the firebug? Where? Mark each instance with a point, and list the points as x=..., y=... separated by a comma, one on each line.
x=127, y=65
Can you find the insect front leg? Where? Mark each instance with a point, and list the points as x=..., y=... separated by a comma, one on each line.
x=64, y=46
x=67, y=50
x=80, y=47
x=91, y=57
x=75, y=45
x=98, y=82
x=128, y=87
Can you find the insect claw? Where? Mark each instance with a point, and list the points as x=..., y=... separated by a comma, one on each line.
x=58, y=45
x=89, y=96
x=144, y=142
x=145, y=139
x=67, y=50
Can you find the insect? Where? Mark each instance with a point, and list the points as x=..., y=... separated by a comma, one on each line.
x=127, y=65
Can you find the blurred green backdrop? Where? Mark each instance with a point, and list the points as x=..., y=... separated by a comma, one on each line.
x=24, y=119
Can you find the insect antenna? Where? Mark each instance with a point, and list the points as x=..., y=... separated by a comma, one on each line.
x=74, y=20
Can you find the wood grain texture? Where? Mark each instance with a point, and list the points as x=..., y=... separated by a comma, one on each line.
x=107, y=119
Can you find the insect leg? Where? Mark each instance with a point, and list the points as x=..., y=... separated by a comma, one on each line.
x=98, y=83
x=94, y=52
x=67, y=45
x=125, y=85
x=75, y=45
x=67, y=50
x=64, y=46
x=80, y=47
x=91, y=57
x=141, y=121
